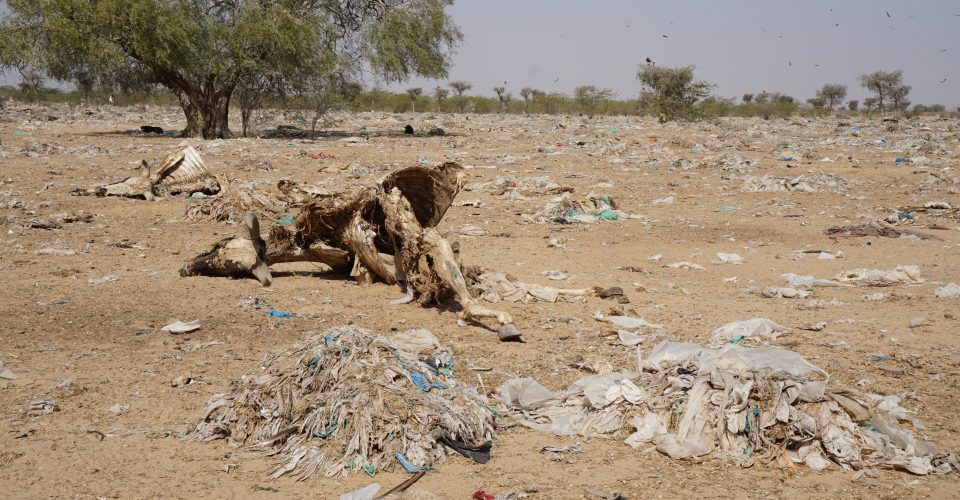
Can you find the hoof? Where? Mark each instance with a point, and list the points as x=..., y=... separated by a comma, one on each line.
x=406, y=299
x=509, y=333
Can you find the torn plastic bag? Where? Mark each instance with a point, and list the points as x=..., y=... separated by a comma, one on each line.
x=813, y=380
x=650, y=425
x=628, y=322
x=417, y=341
x=667, y=352
x=368, y=492
x=755, y=328
x=795, y=280
x=878, y=277
x=525, y=393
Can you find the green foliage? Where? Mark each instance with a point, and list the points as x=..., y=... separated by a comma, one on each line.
x=832, y=94
x=853, y=105
x=884, y=84
x=671, y=92
x=714, y=107
x=460, y=87
x=591, y=99
x=205, y=50
x=767, y=105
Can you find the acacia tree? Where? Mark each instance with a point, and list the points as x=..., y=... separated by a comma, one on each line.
x=853, y=105
x=526, y=94
x=671, y=92
x=440, y=94
x=898, y=97
x=460, y=87
x=818, y=102
x=203, y=50
x=746, y=98
x=882, y=83
x=503, y=96
x=833, y=94
x=414, y=94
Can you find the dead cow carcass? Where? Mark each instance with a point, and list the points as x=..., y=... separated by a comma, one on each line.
x=181, y=172
x=384, y=232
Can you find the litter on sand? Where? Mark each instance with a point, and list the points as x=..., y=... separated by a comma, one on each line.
x=349, y=400
x=5, y=372
x=755, y=329
x=877, y=277
x=747, y=404
x=628, y=322
x=178, y=327
x=772, y=405
x=101, y=281
x=948, y=291
x=728, y=258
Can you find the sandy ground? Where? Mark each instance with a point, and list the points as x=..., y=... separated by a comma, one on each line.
x=87, y=348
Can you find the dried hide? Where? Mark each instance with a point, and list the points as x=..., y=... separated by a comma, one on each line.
x=179, y=173
x=384, y=232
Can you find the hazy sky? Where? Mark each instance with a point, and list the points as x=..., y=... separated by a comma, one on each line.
x=741, y=45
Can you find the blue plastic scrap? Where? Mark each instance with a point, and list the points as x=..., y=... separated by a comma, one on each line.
x=326, y=432
x=422, y=383
x=280, y=314
x=407, y=466
x=312, y=365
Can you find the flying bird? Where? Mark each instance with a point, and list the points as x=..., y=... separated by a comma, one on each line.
x=836, y=25
x=888, y=14
x=557, y=80
x=649, y=61
x=943, y=81
x=665, y=36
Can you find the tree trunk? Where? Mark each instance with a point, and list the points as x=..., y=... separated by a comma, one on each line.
x=245, y=114
x=207, y=112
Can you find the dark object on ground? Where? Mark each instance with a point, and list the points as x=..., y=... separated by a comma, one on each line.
x=400, y=488
x=613, y=291
x=383, y=232
x=437, y=131
x=479, y=453
x=874, y=229
x=149, y=129
x=408, y=130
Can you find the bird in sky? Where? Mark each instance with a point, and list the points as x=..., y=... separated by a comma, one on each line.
x=943, y=81
x=888, y=14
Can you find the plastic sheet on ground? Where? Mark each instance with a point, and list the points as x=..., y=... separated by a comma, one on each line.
x=754, y=328
x=948, y=291
x=878, y=277
x=782, y=292
x=796, y=280
x=589, y=407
